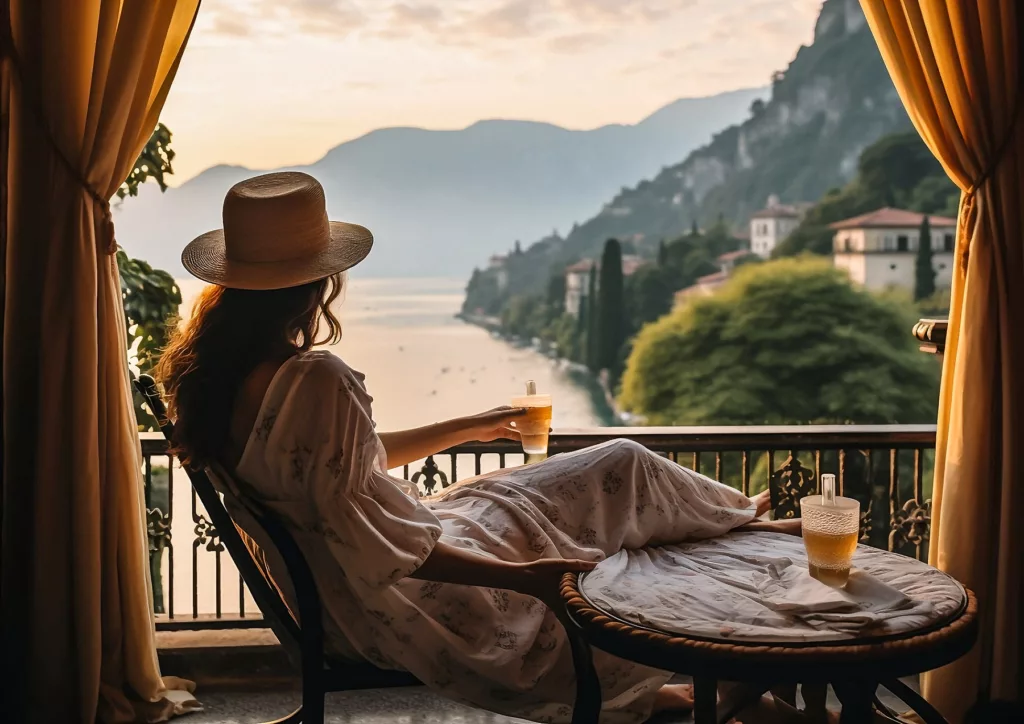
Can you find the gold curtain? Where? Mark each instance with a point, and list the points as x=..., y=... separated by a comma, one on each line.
x=84, y=82
x=957, y=67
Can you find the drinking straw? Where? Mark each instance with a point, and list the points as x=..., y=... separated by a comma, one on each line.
x=828, y=488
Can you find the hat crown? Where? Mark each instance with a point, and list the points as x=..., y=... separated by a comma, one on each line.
x=275, y=217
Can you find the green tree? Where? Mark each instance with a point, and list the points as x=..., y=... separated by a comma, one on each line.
x=482, y=294
x=694, y=231
x=524, y=316
x=924, y=271
x=556, y=294
x=784, y=342
x=590, y=357
x=562, y=332
x=649, y=294
x=662, y=253
x=936, y=195
x=153, y=163
x=579, y=347
x=893, y=166
x=612, y=329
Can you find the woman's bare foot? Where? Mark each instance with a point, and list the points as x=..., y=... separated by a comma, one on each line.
x=763, y=501
x=673, y=698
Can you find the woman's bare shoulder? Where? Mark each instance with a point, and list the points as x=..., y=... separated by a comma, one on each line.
x=320, y=367
x=320, y=363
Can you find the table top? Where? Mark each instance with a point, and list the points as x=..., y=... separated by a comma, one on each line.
x=748, y=596
x=755, y=587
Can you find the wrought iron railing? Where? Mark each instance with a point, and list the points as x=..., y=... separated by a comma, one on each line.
x=887, y=467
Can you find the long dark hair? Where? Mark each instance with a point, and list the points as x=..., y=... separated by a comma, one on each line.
x=231, y=332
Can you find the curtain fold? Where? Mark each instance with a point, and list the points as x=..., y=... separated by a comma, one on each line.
x=84, y=82
x=957, y=68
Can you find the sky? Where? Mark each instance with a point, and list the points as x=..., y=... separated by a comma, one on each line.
x=267, y=83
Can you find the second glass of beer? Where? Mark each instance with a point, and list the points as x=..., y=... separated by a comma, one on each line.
x=830, y=531
x=536, y=423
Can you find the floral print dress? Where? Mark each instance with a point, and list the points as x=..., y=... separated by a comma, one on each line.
x=315, y=459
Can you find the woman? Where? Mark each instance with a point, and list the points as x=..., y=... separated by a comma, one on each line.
x=446, y=588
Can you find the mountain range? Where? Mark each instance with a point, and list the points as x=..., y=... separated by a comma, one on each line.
x=833, y=100
x=438, y=202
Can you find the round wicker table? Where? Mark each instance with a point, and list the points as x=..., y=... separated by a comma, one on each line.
x=854, y=666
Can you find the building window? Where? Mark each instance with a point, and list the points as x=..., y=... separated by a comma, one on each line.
x=942, y=266
x=902, y=243
x=947, y=242
x=848, y=244
x=892, y=266
x=888, y=243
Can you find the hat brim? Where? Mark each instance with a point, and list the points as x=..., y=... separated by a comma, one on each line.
x=205, y=258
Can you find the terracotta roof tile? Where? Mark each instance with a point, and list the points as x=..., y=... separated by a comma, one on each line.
x=734, y=255
x=894, y=218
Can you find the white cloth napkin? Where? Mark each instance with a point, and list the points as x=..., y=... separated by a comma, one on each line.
x=864, y=603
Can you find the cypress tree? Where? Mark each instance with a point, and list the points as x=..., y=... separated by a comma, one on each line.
x=579, y=344
x=924, y=277
x=556, y=294
x=662, y=253
x=694, y=231
x=612, y=329
x=590, y=356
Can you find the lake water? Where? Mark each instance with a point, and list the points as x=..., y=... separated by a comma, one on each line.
x=422, y=365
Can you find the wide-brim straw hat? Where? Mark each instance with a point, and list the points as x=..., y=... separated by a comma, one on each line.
x=276, y=234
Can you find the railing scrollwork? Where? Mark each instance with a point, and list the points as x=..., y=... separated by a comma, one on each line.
x=911, y=524
x=429, y=475
x=791, y=482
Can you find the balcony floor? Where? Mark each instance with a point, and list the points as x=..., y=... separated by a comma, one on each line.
x=389, y=706
x=243, y=678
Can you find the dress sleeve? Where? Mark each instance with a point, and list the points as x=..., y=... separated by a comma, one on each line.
x=378, y=532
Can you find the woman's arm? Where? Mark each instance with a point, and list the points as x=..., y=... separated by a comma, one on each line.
x=406, y=446
x=540, y=578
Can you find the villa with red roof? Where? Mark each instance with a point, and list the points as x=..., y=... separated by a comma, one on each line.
x=879, y=249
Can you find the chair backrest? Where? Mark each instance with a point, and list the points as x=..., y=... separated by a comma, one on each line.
x=265, y=553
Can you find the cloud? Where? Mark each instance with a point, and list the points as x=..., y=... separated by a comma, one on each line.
x=271, y=17
x=642, y=11
x=233, y=25
x=511, y=19
x=330, y=17
x=576, y=42
x=416, y=16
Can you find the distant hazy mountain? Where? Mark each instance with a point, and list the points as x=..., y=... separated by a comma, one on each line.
x=440, y=202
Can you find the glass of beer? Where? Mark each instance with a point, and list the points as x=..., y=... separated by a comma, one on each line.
x=536, y=423
x=830, y=527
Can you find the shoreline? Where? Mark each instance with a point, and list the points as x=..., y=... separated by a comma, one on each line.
x=597, y=385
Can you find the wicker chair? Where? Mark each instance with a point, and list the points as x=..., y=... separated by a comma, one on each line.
x=301, y=631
